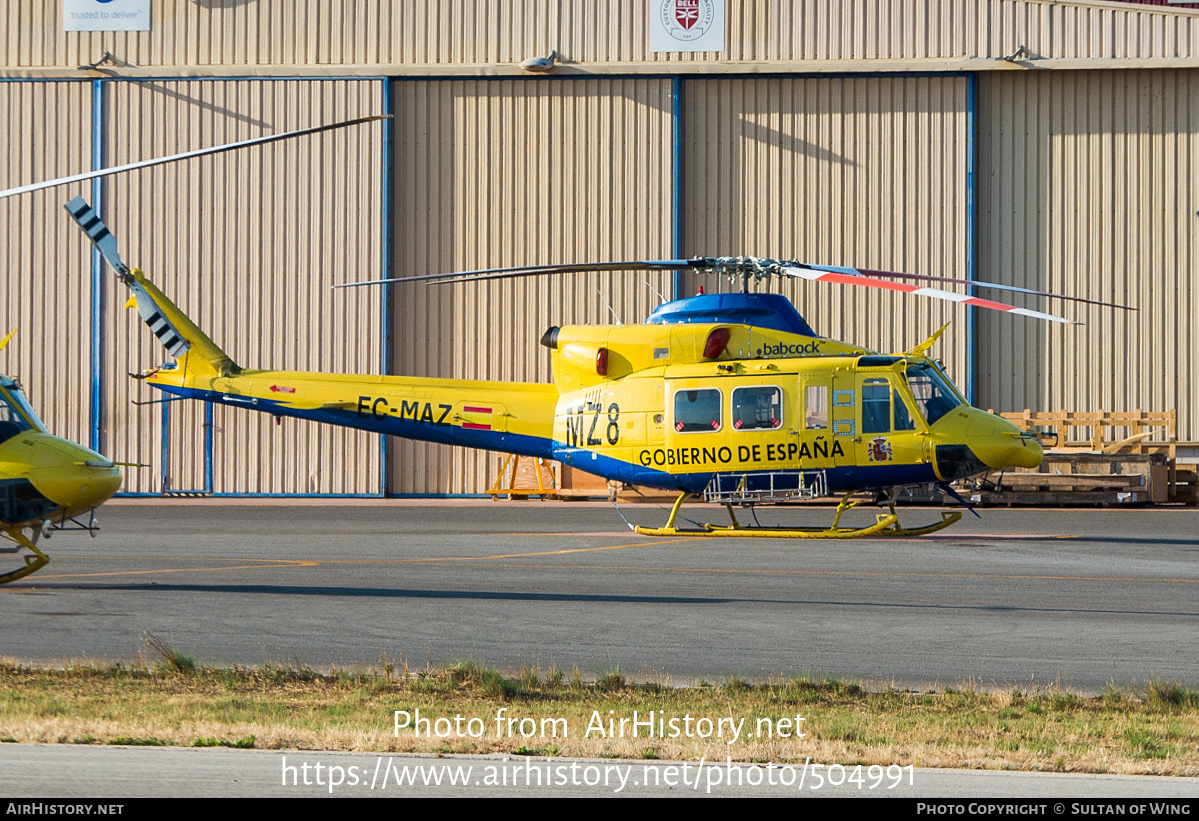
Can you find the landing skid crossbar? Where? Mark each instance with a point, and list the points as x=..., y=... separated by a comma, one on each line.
x=886, y=525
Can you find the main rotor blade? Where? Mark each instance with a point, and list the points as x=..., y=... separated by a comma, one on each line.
x=200, y=152
x=871, y=272
x=753, y=267
x=839, y=275
x=534, y=270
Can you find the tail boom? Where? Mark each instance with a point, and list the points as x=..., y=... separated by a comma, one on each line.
x=498, y=416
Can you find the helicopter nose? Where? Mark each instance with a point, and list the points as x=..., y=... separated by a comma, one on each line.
x=999, y=444
x=970, y=441
x=72, y=476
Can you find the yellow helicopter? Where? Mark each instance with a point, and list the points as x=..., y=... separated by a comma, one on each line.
x=45, y=482
x=730, y=397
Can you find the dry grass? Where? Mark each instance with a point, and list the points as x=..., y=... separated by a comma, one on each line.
x=176, y=702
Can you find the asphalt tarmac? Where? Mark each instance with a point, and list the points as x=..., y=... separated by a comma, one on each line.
x=1030, y=598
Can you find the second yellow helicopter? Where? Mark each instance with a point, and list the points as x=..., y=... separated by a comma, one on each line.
x=45, y=482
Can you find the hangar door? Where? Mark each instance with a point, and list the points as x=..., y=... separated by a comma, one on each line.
x=1089, y=186
x=868, y=172
x=518, y=172
x=247, y=244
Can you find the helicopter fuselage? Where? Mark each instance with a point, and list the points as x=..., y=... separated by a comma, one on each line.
x=675, y=404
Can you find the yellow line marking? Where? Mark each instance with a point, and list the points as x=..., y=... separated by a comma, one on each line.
x=448, y=559
x=268, y=563
x=317, y=562
x=265, y=563
x=547, y=552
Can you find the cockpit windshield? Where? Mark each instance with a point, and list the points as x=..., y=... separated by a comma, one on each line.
x=935, y=397
x=16, y=415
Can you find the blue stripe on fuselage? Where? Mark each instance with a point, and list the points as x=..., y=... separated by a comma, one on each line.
x=840, y=479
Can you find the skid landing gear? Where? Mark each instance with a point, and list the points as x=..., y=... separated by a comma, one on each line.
x=32, y=563
x=887, y=525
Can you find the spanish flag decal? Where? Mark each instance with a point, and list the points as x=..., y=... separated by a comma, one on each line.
x=476, y=418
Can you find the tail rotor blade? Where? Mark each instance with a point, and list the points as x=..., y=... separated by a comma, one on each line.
x=175, y=342
x=97, y=232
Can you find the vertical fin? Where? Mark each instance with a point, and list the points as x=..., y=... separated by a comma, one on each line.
x=178, y=334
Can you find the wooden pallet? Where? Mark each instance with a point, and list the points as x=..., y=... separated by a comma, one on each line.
x=1110, y=431
x=579, y=485
x=1069, y=480
x=1092, y=478
x=1184, y=484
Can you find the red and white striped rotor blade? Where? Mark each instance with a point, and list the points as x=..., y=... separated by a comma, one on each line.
x=851, y=276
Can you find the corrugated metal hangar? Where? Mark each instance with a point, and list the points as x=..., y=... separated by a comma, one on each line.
x=1053, y=145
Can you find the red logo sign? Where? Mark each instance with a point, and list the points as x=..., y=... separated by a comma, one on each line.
x=686, y=12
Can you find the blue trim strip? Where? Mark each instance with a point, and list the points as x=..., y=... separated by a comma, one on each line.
x=165, y=451
x=97, y=308
x=215, y=78
x=208, y=447
x=385, y=272
x=666, y=73
x=971, y=236
x=676, y=185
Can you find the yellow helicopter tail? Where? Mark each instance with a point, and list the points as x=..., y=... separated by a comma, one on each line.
x=196, y=354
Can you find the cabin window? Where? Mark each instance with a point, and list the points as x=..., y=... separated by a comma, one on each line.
x=759, y=408
x=11, y=421
x=934, y=396
x=903, y=419
x=876, y=406
x=697, y=410
x=816, y=407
